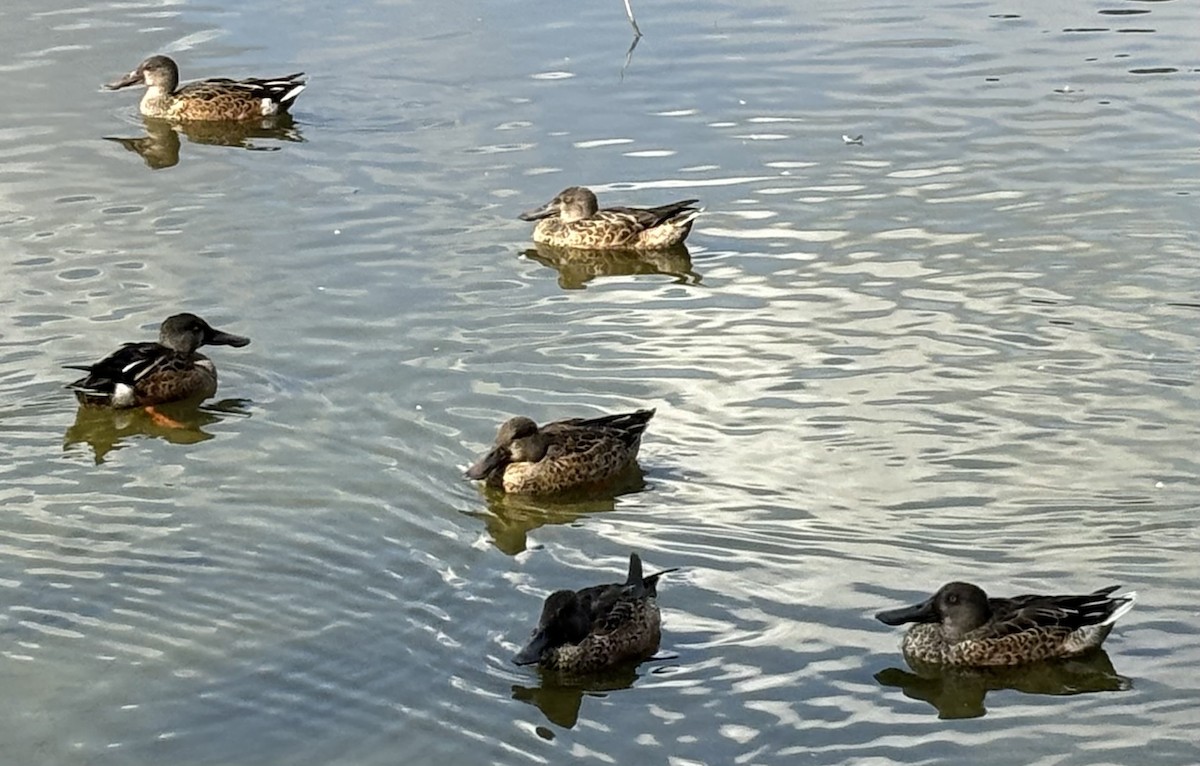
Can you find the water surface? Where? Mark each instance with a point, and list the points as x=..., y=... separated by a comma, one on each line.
x=965, y=349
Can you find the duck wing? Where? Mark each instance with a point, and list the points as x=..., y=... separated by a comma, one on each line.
x=649, y=217
x=1067, y=613
x=127, y=365
x=586, y=432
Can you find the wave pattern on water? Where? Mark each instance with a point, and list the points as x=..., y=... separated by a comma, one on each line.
x=962, y=349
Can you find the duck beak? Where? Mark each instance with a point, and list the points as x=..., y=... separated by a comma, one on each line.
x=133, y=78
x=545, y=211
x=221, y=338
x=531, y=654
x=486, y=465
x=922, y=612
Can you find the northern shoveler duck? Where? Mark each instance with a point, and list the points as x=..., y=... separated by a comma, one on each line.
x=217, y=99
x=583, y=631
x=146, y=374
x=574, y=219
x=959, y=625
x=562, y=455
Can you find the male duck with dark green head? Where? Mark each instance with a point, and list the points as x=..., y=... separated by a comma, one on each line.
x=146, y=374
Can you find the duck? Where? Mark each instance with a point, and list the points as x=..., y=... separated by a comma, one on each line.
x=561, y=456
x=147, y=374
x=215, y=99
x=574, y=219
x=588, y=630
x=961, y=626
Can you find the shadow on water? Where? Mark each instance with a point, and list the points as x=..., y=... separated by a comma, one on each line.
x=960, y=692
x=105, y=430
x=510, y=518
x=560, y=698
x=578, y=267
x=159, y=148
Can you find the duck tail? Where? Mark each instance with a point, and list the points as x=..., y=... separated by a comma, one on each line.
x=651, y=582
x=1120, y=606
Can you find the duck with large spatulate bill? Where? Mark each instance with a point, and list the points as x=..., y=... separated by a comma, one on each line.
x=584, y=631
x=563, y=455
x=960, y=625
x=146, y=374
x=575, y=219
x=216, y=99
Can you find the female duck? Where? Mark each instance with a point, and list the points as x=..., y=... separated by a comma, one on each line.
x=217, y=99
x=562, y=455
x=146, y=374
x=583, y=631
x=960, y=625
x=574, y=219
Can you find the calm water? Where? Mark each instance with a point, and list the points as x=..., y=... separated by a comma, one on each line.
x=964, y=349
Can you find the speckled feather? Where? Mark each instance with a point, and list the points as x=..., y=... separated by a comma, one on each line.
x=1015, y=630
x=573, y=219
x=577, y=452
x=631, y=630
x=222, y=99
x=617, y=623
x=163, y=376
x=145, y=374
x=217, y=99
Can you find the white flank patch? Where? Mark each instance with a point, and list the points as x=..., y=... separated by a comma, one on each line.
x=269, y=107
x=122, y=395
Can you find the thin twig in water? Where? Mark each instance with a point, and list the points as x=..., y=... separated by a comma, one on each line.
x=629, y=55
x=629, y=12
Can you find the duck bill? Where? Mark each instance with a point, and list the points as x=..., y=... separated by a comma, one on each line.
x=488, y=464
x=545, y=211
x=222, y=338
x=922, y=612
x=531, y=653
x=133, y=78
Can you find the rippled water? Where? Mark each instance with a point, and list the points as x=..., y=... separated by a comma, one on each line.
x=965, y=349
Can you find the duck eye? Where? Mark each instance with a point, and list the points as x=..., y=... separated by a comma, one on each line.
x=952, y=598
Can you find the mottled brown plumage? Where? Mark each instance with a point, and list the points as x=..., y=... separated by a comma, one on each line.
x=960, y=625
x=598, y=627
x=145, y=374
x=562, y=455
x=215, y=99
x=574, y=219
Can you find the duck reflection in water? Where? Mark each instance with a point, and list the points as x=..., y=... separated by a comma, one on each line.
x=159, y=147
x=510, y=518
x=560, y=701
x=577, y=267
x=105, y=430
x=958, y=692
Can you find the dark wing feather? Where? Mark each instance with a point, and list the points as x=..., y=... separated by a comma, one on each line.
x=622, y=612
x=127, y=365
x=281, y=90
x=1069, y=613
x=649, y=217
x=586, y=432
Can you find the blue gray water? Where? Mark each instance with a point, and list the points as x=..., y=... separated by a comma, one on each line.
x=965, y=349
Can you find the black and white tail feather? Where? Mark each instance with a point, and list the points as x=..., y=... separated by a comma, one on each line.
x=276, y=94
x=114, y=377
